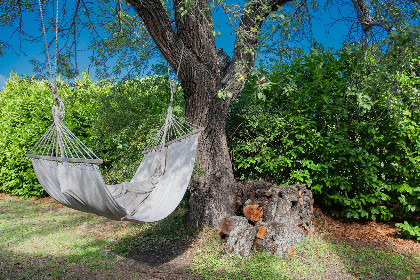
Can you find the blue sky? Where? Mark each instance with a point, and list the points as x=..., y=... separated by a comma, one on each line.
x=18, y=61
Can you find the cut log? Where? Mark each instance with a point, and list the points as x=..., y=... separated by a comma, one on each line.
x=280, y=238
x=261, y=232
x=253, y=212
x=275, y=219
x=241, y=238
x=226, y=225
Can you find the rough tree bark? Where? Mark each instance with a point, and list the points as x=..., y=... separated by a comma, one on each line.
x=202, y=77
x=367, y=21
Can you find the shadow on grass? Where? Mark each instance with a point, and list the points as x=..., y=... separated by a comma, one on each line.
x=40, y=240
x=157, y=243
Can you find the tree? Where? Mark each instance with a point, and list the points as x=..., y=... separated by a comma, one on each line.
x=183, y=31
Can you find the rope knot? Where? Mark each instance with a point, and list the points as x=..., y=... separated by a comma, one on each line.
x=54, y=89
x=58, y=109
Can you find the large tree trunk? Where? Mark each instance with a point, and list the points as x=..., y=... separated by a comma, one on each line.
x=212, y=193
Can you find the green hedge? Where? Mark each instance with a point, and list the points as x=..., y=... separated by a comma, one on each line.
x=24, y=116
x=355, y=142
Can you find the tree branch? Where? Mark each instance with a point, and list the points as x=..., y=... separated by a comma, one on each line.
x=363, y=15
x=158, y=24
x=195, y=27
x=247, y=39
x=368, y=22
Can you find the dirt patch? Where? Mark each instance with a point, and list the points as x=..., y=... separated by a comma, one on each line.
x=378, y=234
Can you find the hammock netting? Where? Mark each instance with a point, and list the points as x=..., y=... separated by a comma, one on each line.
x=59, y=143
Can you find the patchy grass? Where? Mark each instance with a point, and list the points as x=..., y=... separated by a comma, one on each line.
x=311, y=259
x=369, y=262
x=41, y=239
x=314, y=258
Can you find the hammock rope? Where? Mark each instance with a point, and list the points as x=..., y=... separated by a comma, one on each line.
x=60, y=110
x=172, y=85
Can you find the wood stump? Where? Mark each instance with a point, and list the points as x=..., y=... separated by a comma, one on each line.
x=268, y=218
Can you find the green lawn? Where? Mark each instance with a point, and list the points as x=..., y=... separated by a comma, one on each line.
x=42, y=240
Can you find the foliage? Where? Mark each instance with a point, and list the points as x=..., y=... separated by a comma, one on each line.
x=126, y=44
x=25, y=114
x=114, y=120
x=125, y=119
x=410, y=230
x=346, y=127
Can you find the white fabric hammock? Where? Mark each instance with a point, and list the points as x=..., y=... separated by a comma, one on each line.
x=69, y=171
x=80, y=185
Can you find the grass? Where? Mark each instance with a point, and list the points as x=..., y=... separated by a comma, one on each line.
x=313, y=258
x=310, y=258
x=370, y=262
x=41, y=240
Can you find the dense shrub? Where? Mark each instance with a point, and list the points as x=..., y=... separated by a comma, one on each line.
x=125, y=119
x=354, y=141
x=25, y=114
x=114, y=119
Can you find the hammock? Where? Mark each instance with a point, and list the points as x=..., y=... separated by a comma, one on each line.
x=69, y=172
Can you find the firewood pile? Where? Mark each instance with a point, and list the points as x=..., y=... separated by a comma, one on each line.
x=268, y=218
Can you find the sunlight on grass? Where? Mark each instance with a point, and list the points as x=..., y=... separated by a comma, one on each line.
x=55, y=236
x=313, y=258
x=28, y=227
x=308, y=260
